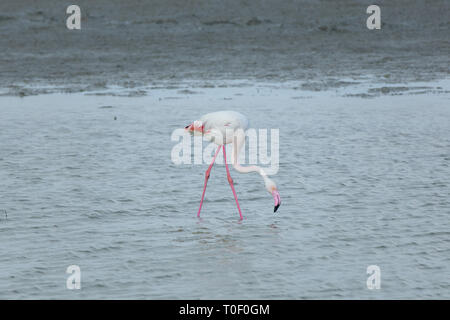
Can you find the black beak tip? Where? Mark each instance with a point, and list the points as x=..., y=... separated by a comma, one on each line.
x=276, y=208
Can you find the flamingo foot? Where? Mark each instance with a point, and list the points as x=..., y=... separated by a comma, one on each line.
x=277, y=200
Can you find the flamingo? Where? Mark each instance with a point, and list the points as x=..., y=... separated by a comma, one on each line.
x=225, y=127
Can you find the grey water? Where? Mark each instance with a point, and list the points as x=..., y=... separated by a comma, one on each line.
x=87, y=180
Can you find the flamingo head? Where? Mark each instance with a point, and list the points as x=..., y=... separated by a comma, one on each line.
x=272, y=188
x=195, y=128
x=276, y=199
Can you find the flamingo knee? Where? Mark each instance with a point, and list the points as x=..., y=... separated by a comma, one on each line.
x=230, y=181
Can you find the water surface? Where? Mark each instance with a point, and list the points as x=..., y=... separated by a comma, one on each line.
x=363, y=181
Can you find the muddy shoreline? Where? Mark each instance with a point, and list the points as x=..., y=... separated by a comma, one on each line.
x=135, y=43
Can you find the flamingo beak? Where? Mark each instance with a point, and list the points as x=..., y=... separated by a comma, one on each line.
x=277, y=200
x=195, y=128
x=189, y=128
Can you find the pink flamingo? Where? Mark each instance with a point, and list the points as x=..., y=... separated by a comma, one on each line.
x=225, y=127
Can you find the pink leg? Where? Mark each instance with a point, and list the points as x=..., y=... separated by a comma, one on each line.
x=208, y=171
x=231, y=182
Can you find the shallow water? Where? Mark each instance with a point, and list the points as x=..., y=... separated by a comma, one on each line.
x=363, y=181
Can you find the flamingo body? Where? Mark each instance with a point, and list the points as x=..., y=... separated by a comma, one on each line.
x=225, y=127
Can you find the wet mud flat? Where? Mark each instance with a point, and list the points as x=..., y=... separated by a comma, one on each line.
x=135, y=43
